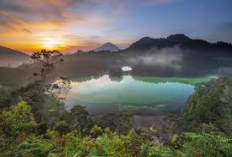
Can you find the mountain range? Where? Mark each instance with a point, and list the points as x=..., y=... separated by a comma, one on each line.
x=197, y=47
x=182, y=40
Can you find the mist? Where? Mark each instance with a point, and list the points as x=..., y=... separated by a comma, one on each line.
x=14, y=61
x=165, y=58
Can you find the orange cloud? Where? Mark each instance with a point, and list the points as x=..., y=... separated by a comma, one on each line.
x=25, y=25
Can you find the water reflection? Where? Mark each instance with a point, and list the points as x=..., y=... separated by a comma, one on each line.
x=138, y=94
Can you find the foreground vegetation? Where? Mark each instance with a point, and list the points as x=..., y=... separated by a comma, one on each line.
x=35, y=123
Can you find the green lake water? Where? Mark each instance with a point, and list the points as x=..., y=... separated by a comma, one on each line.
x=137, y=94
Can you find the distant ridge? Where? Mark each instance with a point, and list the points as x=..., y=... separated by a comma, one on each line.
x=107, y=47
x=182, y=40
x=9, y=51
x=10, y=57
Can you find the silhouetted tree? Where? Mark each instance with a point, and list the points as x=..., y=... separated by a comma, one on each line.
x=40, y=93
x=49, y=60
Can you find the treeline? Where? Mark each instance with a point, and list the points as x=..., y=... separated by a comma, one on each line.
x=35, y=123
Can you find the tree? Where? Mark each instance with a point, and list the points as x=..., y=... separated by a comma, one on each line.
x=4, y=98
x=42, y=95
x=121, y=123
x=96, y=131
x=18, y=121
x=210, y=104
x=80, y=119
x=49, y=60
x=133, y=143
x=46, y=108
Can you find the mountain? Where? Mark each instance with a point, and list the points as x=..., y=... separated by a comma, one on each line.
x=147, y=43
x=178, y=38
x=107, y=47
x=10, y=57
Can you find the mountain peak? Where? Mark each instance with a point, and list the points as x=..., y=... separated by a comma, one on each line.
x=109, y=43
x=146, y=39
x=107, y=47
x=178, y=38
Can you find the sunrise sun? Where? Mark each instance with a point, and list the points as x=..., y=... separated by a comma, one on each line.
x=51, y=43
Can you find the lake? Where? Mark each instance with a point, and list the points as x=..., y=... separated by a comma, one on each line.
x=139, y=95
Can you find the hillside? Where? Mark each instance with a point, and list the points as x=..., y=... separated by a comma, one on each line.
x=10, y=57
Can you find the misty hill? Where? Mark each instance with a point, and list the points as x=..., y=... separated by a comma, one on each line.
x=107, y=47
x=10, y=57
x=183, y=42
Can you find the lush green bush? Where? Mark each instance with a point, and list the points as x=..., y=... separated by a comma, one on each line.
x=210, y=104
x=206, y=145
x=158, y=150
x=34, y=147
x=18, y=119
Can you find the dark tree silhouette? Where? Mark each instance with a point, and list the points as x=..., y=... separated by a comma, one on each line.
x=42, y=93
x=49, y=60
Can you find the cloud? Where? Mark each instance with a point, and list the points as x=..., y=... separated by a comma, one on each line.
x=29, y=11
x=39, y=15
x=19, y=13
x=26, y=30
x=37, y=19
x=35, y=6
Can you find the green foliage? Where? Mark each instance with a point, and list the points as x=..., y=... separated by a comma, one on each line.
x=4, y=95
x=111, y=146
x=105, y=145
x=158, y=150
x=34, y=147
x=75, y=145
x=78, y=134
x=210, y=104
x=80, y=119
x=15, y=124
x=46, y=108
x=121, y=123
x=51, y=110
x=206, y=145
x=49, y=144
x=96, y=131
x=133, y=143
x=42, y=94
x=17, y=120
x=8, y=97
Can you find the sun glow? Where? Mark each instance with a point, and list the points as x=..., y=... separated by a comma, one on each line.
x=51, y=43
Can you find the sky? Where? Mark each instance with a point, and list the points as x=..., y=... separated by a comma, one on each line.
x=69, y=25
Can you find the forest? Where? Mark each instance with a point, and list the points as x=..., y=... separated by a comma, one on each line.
x=35, y=123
